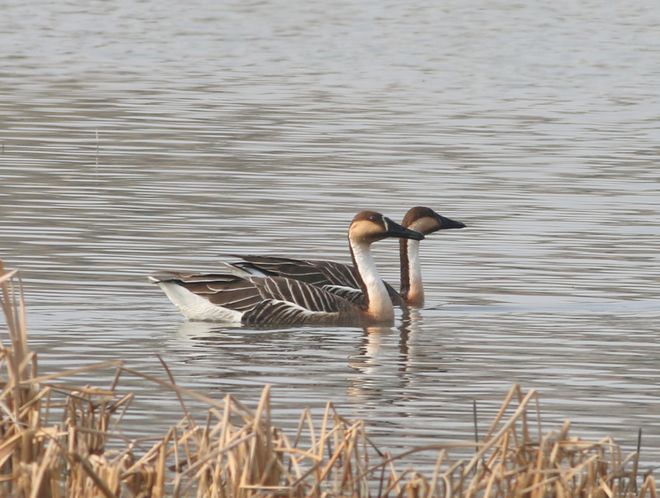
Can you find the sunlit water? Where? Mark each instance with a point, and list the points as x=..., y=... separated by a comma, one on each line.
x=143, y=136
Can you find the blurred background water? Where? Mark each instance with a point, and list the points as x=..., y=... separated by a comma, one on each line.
x=138, y=136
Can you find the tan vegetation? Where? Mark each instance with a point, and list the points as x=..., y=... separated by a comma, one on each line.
x=60, y=440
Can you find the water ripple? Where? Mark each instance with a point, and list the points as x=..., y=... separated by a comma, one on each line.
x=134, y=139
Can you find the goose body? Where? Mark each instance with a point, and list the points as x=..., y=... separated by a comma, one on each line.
x=270, y=300
x=253, y=300
x=341, y=279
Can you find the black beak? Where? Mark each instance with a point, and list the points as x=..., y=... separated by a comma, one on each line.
x=396, y=230
x=446, y=223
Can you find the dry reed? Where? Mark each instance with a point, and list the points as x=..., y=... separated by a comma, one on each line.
x=237, y=452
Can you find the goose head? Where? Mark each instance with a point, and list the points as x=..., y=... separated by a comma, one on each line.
x=370, y=226
x=426, y=221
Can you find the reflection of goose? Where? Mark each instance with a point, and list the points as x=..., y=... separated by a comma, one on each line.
x=408, y=329
x=278, y=300
x=384, y=362
x=342, y=279
x=370, y=379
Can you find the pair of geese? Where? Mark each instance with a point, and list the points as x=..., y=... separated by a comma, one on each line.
x=266, y=290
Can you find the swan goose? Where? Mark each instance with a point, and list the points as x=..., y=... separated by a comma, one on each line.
x=341, y=279
x=278, y=300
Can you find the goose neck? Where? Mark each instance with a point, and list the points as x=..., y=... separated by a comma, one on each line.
x=412, y=289
x=378, y=302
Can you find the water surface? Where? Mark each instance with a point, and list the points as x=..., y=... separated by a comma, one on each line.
x=143, y=136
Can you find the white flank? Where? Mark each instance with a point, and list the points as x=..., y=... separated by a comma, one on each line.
x=194, y=307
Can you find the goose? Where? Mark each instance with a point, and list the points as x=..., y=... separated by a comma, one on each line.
x=341, y=279
x=426, y=221
x=276, y=300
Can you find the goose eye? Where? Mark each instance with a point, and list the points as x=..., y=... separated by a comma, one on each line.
x=372, y=218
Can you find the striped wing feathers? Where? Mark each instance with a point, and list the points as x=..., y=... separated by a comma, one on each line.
x=338, y=273
x=313, y=272
x=355, y=296
x=308, y=297
x=274, y=312
x=337, y=278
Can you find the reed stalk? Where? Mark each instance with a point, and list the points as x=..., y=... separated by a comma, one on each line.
x=55, y=442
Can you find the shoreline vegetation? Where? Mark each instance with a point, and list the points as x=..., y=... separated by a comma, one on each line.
x=58, y=439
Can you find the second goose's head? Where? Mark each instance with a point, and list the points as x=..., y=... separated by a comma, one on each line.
x=426, y=221
x=370, y=226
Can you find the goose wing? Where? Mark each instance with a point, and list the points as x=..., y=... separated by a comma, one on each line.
x=396, y=298
x=308, y=297
x=337, y=278
x=290, y=302
x=313, y=272
x=355, y=296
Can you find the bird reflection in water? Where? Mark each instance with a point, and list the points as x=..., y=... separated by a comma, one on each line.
x=381, y=367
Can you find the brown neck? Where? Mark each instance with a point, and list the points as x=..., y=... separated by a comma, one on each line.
x=405, y=269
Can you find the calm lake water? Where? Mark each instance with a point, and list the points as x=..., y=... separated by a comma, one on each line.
x=159, y=135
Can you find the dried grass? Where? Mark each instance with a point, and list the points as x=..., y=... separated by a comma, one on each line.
x=238, y=452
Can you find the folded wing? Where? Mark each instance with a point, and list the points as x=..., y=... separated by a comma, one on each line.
x=337, y=278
